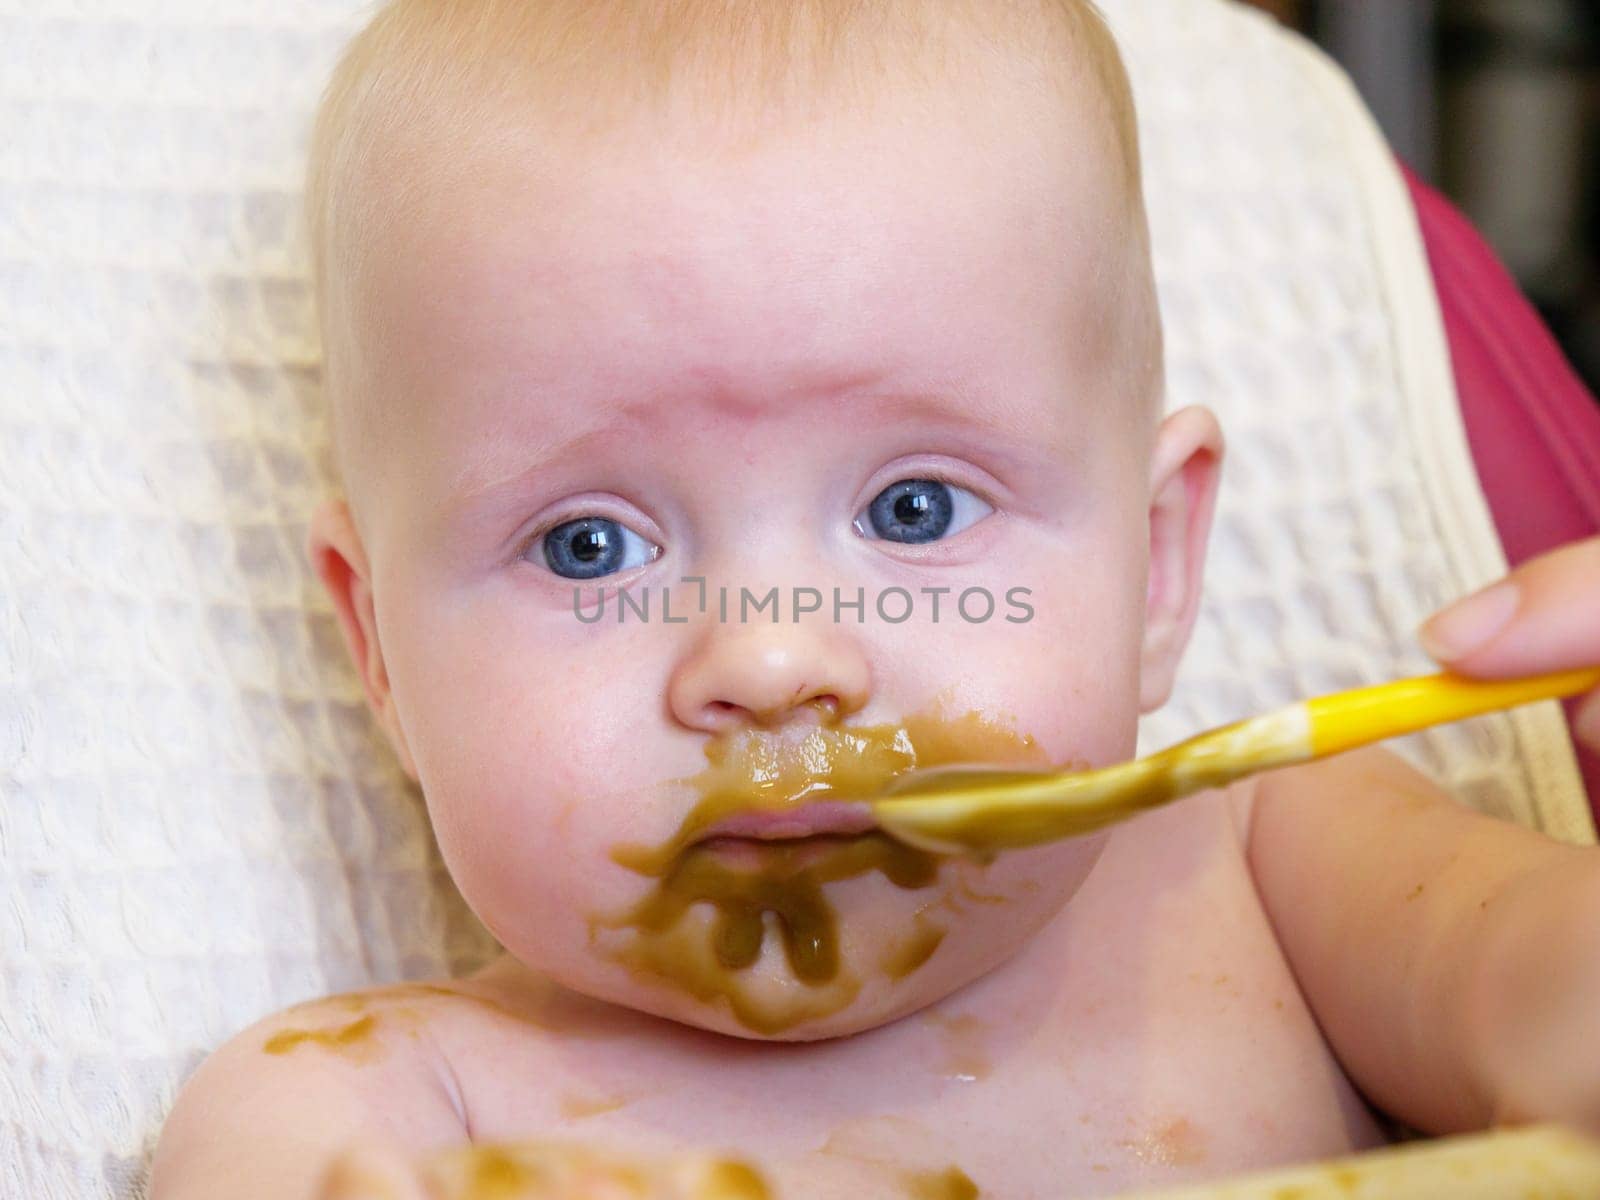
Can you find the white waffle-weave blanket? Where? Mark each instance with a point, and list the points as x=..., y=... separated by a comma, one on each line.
x=198, y=822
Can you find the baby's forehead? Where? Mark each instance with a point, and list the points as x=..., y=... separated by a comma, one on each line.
x=505, y=246
x=961, y=75
x=849, y=245
x=781, y=324
x=974, y=176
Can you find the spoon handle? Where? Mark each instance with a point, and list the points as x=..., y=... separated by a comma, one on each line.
x=983, y=811
x=1346, y=720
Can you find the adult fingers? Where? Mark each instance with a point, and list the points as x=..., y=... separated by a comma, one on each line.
x=1544, y=616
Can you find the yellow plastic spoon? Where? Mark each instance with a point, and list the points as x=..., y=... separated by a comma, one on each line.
x=980, y=811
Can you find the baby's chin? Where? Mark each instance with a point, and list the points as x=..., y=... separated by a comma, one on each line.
x=787, y=968
x=767, y=1002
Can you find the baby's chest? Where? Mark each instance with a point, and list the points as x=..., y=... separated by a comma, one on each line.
x=1161, y=1079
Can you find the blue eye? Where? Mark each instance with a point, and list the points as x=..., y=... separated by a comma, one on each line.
x=591, y=547
x=920, y=510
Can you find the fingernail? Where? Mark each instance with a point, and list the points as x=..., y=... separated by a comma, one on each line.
x=1470, y=623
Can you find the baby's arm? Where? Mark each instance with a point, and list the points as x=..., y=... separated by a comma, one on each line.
x=252, y=1124
x=1451, y=959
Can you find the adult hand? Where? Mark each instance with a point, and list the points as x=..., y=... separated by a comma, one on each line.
x=1544, y=616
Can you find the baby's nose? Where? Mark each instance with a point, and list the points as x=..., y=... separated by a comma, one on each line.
x=767, y=674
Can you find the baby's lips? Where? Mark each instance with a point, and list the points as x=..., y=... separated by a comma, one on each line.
x=805, y=820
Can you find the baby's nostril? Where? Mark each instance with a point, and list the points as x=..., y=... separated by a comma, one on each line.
x=724, y=713
x=722, y=710
x=827, y=706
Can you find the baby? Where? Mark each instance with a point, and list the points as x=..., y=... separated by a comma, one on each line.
x=737, y=404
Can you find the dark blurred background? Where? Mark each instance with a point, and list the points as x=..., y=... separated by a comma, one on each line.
x=1497, y=104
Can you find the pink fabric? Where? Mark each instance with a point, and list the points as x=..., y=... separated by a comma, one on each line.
x=1533, y=427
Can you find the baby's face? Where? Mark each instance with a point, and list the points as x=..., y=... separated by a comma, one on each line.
x=879, y=358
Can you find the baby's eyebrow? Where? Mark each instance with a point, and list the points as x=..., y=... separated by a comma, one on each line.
x=512, y=463
x=509, y=469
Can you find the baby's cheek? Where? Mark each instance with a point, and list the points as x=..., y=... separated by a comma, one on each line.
x=529, y=882
x=1070, y=685
x=1080, y=663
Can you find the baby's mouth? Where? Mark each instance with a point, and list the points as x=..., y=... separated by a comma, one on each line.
x=775, y=800
x=778, y=821
x=799, y=836
x=803, y=821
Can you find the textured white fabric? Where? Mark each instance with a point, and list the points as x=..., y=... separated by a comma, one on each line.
x=198, y=822
x=1298, y=304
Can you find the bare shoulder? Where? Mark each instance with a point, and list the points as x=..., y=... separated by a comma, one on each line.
x=1388, y=895
x=1361, y=778
x=1373, y=764
x=267, y=1112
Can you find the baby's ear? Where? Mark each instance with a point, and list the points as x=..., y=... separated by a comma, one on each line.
x=1184, y=472
x=334, y=547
